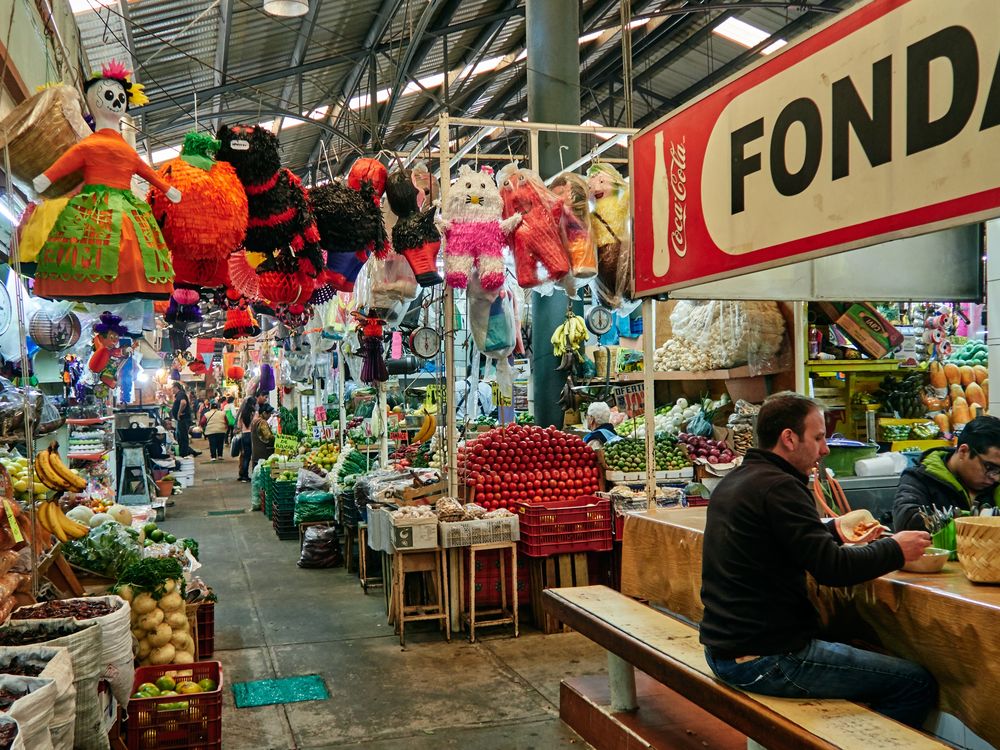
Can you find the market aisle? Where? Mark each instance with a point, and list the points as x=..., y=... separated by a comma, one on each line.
x=276, y=620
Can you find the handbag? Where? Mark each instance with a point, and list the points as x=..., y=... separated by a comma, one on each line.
x=234, y=445
x=230, y=418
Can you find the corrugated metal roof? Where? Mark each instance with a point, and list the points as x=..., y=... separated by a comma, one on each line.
x=253, y=73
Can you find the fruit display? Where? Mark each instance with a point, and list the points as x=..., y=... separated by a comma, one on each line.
x=27, y=485
x=902, y=396
x=629, y=455
x=568, y=340
x=154, y=588
x=323, y=456
x=52, y=519
x=524, y=463
x=427, y=428
x=958, y=393
x=971, y=353
x=54, y=474
x=173, y=684
x=707, y=450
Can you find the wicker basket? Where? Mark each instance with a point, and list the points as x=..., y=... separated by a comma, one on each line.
x=39, y=130
x=978, y=540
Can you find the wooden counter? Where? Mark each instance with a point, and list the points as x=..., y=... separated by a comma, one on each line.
x=941, y=620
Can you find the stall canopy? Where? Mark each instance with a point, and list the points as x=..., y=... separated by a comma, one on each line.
x=880, y=125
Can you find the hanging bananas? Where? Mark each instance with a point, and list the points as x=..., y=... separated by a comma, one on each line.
x=568, y=340
x=52, y=519
x=427, y=428
x=55, y=474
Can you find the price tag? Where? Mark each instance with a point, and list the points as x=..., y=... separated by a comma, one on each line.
x=321, y=414
x=286, y=445
x=499, y=400
x=15, y=527
x=630, y=398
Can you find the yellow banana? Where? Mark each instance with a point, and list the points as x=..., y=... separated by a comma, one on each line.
x=45, y=472
x=74, y=480
x=41, y=516
x=73, y=529
x=56, y=527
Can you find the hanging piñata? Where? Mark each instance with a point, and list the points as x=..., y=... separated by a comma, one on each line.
x=279, y=214
x=536, y=238
x=611, y=207
x=105, y=245
x=414, y=235
x=107, y=356
x=212, y=220
x=474, y=233
x=576, y=224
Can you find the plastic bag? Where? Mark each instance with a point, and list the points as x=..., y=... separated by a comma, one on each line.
x=314, y=506
x=576, y=225
x=392, y=280
x=718, y=334
x=491, y=318
x=320, y=548
x=610, y=194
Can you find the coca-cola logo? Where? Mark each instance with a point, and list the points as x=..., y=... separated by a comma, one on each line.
x=678, y=196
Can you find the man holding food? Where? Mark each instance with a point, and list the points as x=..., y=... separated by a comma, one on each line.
x=760, y=629
x=964, y=477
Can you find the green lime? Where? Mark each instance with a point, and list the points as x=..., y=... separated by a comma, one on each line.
x=169, y=538
x=148, y=543
x=149, y=528
x=156, y=535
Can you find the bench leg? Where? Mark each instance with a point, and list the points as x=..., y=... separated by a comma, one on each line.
x=621, y=675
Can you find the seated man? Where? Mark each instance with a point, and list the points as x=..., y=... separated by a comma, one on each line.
x=964, y=477
x=760, y=629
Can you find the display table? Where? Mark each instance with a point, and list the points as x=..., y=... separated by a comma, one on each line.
x=940, y=620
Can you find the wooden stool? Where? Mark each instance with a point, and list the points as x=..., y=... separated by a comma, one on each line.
x=366, y=581
x=350, y=537
x=501, y=616
x=432, y=561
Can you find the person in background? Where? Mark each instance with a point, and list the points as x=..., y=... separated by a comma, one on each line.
x=215, y=430
x=763, y=534
x=244, y=421
x=261, y=435
x=601, y=431
x=964, y=477
x=180, y=412
x=229, y=409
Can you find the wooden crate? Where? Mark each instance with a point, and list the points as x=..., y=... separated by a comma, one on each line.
x=427, y=494
x=557, y=571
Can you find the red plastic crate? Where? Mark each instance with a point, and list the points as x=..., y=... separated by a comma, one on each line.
x=191, y=721
x=487, y=579
x=206, y=630
x=555, y=528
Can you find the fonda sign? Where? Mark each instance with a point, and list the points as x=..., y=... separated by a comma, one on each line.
x=883, y=123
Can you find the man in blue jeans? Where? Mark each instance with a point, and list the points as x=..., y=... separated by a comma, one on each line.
x=763, y=534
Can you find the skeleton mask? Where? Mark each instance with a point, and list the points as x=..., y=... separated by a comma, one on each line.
x=107, y=95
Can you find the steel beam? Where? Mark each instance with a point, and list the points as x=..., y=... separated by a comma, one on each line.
x=221, y=56
x=306, y=27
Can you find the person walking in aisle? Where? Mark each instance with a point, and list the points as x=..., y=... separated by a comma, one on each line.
x=244, y=421
x=215, y=430
x=261, y=435
x=180, y=412
x=229, y=409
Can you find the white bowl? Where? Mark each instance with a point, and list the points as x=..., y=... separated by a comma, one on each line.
x=933, y=561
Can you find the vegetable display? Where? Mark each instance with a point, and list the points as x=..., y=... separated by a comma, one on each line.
x=712, y=451
x=154, y=588
x=524, y=463
x=107, y=550
x=629, y=455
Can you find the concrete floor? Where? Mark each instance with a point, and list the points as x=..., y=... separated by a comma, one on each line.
x=277, y=620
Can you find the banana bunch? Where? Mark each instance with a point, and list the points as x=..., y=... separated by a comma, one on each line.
x=427, y=428
x=568, y=340
x=54, y=521
x=55, y=474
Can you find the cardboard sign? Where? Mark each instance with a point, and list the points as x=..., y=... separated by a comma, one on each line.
x=286, y=445
x=630, y=399
x=883, y=123
x=499, y=400
x=324, y=432
x=320, y=413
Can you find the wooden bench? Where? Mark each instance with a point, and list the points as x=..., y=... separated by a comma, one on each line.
x=668, y=650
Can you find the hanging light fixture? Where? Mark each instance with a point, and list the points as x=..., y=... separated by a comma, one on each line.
x=286, y=8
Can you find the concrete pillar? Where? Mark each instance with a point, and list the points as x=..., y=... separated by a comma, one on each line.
x=553, y=28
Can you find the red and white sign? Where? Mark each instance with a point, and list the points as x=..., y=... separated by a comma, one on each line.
x=883, y=123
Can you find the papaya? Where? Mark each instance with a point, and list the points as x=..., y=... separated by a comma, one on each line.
x=981, y=373
x=985, y=385
x=952, y=374
x=943, y=422
x=967, y=374
x=956, y=391
x=974, y=395
x=960, y=413
x=975, y=410
x=938, y=379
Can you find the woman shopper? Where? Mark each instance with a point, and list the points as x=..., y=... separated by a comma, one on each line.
x=244, y=421
x=215, y=430
x=181, y=414
x=261, y=435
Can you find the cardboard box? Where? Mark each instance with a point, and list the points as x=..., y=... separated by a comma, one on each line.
x=864, y=327
x=414, y=534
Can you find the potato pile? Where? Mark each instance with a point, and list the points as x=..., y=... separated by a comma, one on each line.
x=161, y=625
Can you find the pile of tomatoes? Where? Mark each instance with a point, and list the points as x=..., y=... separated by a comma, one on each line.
x=528, y=464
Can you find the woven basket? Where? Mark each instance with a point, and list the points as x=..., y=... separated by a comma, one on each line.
x=39, y=130
x=978, y=540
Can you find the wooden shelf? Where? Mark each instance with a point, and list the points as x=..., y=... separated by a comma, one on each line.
x=852, y=365
x=730, y=374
